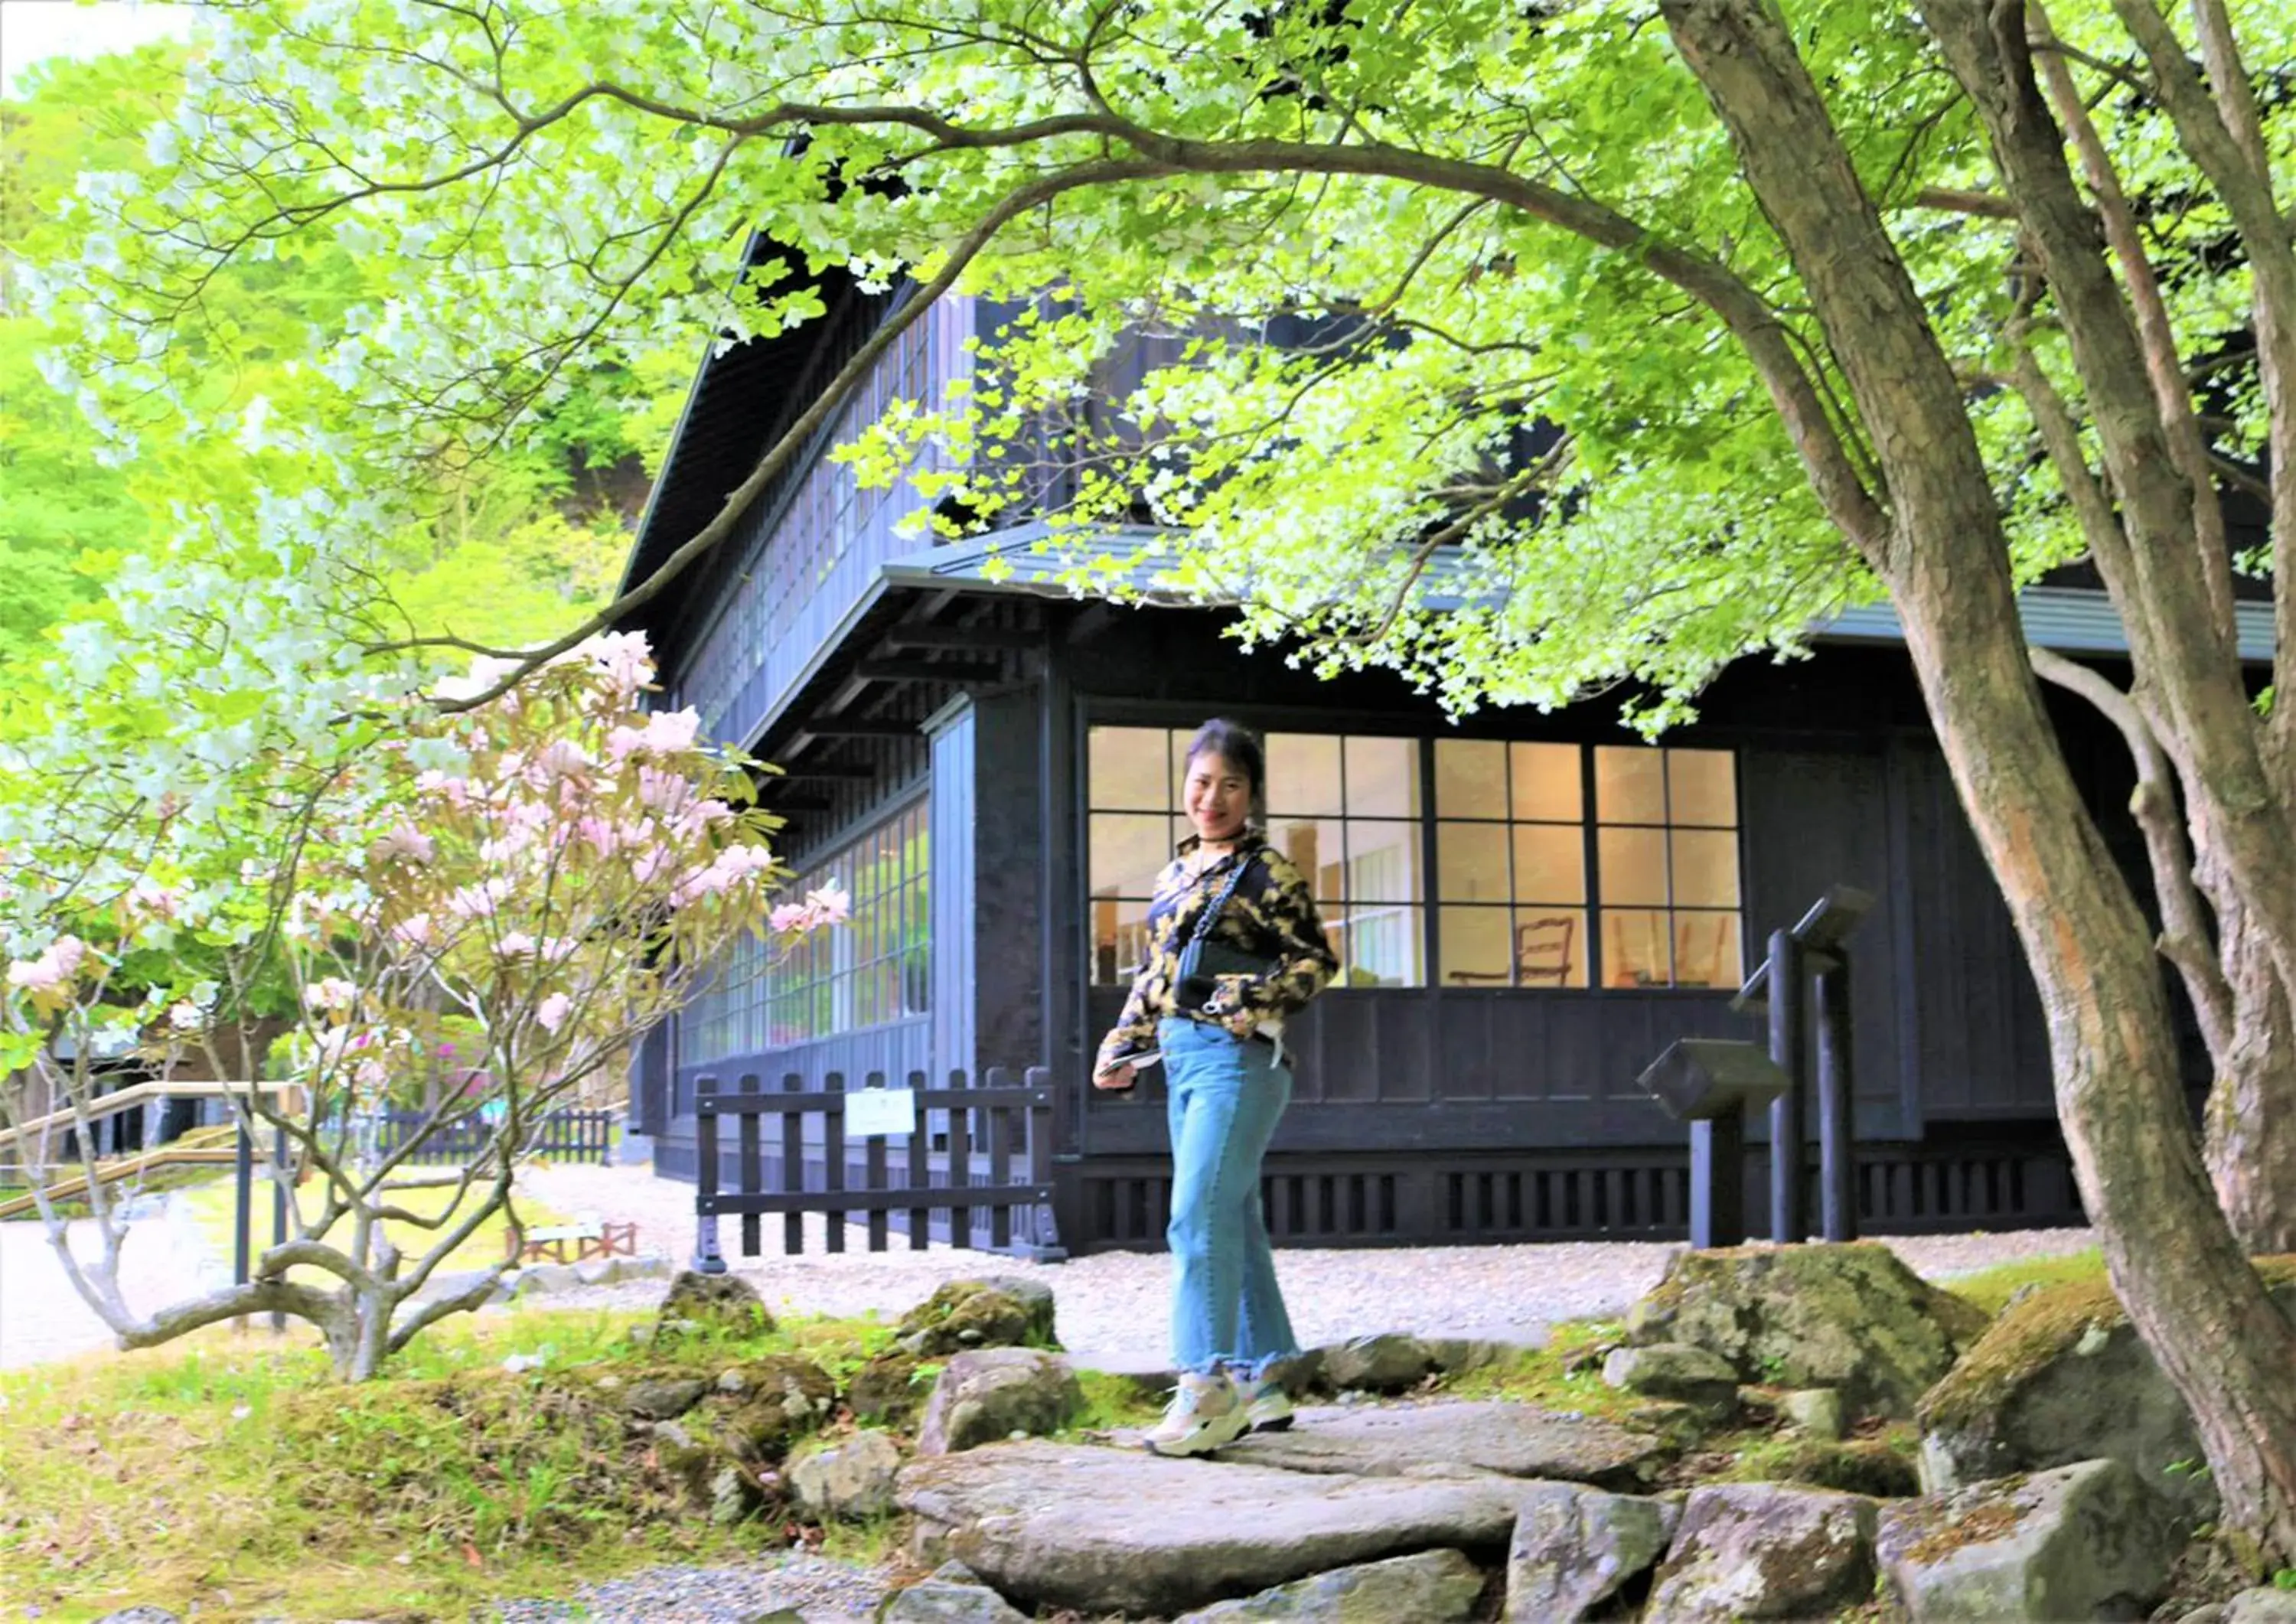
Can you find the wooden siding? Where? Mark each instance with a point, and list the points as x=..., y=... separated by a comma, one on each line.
x=786, y=589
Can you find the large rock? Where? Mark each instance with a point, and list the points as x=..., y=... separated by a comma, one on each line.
x=886, y=1388
x=850, y=1480
x=1002, y=1311
x=983, y=1397
x=1678, y=1372
x=1383, y=1363
x=1760, y=1551
x=2082, y=1542
x=663, y=1398
x=2061, y=1377
x=1851, y=1317
x=726, y=1302
x=1108, y=1531
x=2264, y=1606
x=770, y=1403
x=1511, y=1439
x=953, y=1594
x=1431, y=1588
x=1574, y=1548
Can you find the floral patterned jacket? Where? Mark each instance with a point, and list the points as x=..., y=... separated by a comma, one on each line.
x=1272, y=915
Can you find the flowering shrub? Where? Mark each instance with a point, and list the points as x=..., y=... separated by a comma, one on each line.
x=554, y=872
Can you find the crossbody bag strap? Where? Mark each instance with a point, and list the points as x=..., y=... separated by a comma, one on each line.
x=1209, y=917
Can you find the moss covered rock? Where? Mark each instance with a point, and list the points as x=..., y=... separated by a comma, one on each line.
x=887, y=1389
x=768, y=1403
x=2062, y=1376
x=1002, y=1311
x=722, y=1302
x=1854, y=1318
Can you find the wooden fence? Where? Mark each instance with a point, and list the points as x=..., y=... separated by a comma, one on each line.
x=565, y=1136
x=1007, y=1192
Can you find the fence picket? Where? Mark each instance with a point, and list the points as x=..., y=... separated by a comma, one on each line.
x=960, y=1164
x=752, y=1168
x=1000, y=1158
x=793, y=1165
x=833, y=1156
x=920, y=1169
x=1018, y=1177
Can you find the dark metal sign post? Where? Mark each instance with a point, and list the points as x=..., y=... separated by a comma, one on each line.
x=1711, y=1083
x=1814, y=955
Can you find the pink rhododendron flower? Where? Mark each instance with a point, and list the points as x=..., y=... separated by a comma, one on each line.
x=553, y=1011
x=331, y=992
x=475, y=902
x=562, y=759
x=53, y=971
x=413, y=932
x=789, y=916
x=831, y=903
x=515, y=943
x=404, y=844
x=666, y=733
x=624, y=657
x=149, y=894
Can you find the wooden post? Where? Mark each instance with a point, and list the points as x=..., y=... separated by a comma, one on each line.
x=706, y=1260
x=1045, y=1243
x=919, y=1169
x=832, y=1161
x=1717, y=1181
x=1789, y=1220
x=1836, y=1102
x=873, y=1157
x=960, y=1165
x=792, y=1165
x=753, y=1166
x=1000, y=1162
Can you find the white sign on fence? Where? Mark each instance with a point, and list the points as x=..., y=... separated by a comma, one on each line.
x=879, y=1111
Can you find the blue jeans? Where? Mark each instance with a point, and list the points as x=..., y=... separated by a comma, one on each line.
x=1226, y=1094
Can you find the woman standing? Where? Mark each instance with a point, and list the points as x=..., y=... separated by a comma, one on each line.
x=1219, y=1033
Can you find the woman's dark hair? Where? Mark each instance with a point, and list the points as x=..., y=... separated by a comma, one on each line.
x=1238, y=746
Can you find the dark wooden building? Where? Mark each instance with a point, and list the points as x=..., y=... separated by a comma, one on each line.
x=1530, y=907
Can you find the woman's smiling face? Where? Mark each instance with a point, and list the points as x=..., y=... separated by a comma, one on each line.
x=1217, y=797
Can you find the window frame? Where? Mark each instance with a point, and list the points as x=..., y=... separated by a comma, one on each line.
x=1431, y=904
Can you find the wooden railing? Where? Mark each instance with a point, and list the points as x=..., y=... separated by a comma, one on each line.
x=1018, y=1181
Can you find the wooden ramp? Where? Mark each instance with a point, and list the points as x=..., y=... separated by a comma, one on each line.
x=201, y=1148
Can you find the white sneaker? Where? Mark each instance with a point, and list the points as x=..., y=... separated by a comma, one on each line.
x=1206, y=1412
x=1266, y=1406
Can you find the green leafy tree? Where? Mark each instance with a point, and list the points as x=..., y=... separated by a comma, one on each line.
x=1828, y=304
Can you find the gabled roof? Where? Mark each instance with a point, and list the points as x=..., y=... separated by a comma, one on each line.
x=2068, y=620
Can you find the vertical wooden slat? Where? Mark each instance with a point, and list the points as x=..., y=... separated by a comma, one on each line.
x=920, y=1171
x=960, y=1166
x=792, y=1164
x=832, y=1158
x=753, y=1165
x=874, y=1179
x=706, y=1260
x=1000, y=1161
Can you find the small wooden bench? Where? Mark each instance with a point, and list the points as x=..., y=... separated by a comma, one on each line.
x=588, y=1238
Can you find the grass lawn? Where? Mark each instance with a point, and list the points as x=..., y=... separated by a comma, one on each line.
x=228, y=1469
x=212, y=1206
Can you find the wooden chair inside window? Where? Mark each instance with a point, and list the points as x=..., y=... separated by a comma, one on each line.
x=1706, y=971
x=1542, y=950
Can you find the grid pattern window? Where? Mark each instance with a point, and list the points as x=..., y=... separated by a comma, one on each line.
x=1345, y=809
x=1536, y=892
x=871, y=971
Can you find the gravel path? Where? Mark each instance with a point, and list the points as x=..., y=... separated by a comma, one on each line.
x=43, y=1319
x=1115, y=1303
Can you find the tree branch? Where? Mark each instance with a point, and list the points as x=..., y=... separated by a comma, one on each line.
x=831, y=398
x=2184, y=936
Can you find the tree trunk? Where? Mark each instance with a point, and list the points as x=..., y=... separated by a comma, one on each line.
x=2188, y=1288
x=2249, y=1123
